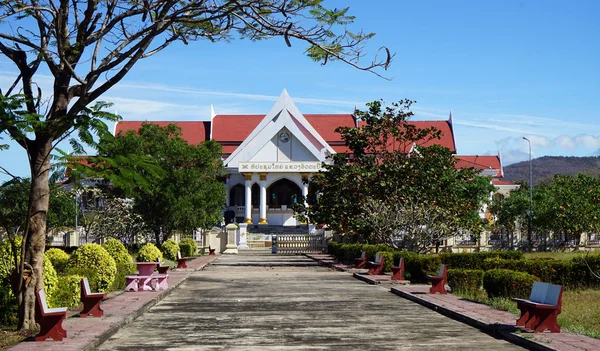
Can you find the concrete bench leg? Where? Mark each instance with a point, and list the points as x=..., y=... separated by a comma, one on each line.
x=146, y=284
x=162, y=284
x=132, y=284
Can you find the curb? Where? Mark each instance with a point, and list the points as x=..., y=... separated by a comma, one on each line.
x=365, y=279
x=494, y=330
x=133, y=316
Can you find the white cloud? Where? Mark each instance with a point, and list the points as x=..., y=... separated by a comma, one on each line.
x=588, y=141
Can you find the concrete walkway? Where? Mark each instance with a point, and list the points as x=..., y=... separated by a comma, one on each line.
x=270, y=302
x=490, y=320
x=119, y=309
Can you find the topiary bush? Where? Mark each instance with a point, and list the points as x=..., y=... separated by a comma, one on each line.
x=465, y=279
x=149, y=253
x=508, y=283
x=50, y=278
x=58, y=258
x=68, y=292
x=169, y=249
x=119, y=253
x=94, y=262
x=188, y=247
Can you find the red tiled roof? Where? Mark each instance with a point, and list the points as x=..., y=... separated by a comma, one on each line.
x=231, y=130
x=325, y=125
x=446, y=136
x=501, y=182
x=192, y=131
x=480, y=162
x=234, y=127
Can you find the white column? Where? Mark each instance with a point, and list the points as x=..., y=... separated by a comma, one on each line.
x=227, y=190
x=248, y=208
x=263, y=199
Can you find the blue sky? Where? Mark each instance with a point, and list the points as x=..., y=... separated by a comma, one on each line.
x=506, y=69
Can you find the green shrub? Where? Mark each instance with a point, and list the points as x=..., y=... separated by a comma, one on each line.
x=334, y=248
x=123, y=269
x=508, y=283
x=388, y=260
x=8, y=306
x=420, y=266
x=94, y=262
x=119, y=253
x=7, y=257
x=50, y=278
x=476, y=260
x=169, y=249
x=58, y=258
x=465, y=279
x=149, y=253
x=68, y=292
x=188, y=247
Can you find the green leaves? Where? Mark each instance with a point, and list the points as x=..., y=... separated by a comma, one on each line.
x=389, y=184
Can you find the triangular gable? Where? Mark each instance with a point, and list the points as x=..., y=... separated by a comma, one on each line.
x=284, y=114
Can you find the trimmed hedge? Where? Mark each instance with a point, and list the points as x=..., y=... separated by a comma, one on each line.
x=95, y=263
x=475, y=260
x=572, y=274
x=169, y=249
x=149, y=253
x=50, y=278
x=188, y=247
x=508, y=283
x=119, y=253
x=68, y=292
x=59, y=259
x=465, y=279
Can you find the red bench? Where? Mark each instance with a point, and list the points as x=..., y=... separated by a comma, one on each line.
x=211, y=251
x=161, y=269
x=361, y=262
x=543, y=307
x=398, y=271
x=91, y=301
x=376, y=267
x=49, y=319
x=438, y=282
x=181, y=260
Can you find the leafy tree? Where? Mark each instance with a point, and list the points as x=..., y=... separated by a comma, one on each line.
x=89, y=46
x=391, y=187
x=187, y=194
x=511, y=211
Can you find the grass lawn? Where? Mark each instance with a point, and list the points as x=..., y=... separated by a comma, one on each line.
x=11, y=337
x=580, y=309
x=556, y=255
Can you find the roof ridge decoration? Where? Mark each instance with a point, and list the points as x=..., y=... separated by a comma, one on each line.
x=284, y=113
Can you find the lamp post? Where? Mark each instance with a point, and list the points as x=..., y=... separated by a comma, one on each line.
x=530, y=198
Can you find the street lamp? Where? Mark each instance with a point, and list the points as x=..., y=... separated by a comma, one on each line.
x=530, y=197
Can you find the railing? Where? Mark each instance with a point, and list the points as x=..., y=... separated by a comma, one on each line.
x=290, y=244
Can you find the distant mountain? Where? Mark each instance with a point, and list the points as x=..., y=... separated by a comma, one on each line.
x=547, y=166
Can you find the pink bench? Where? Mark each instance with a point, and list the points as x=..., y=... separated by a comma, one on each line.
x=438, y=282
x=49, y=319
x=91, y=301
x=144, y=282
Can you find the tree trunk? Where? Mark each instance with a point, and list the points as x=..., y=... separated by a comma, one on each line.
x=34, y=242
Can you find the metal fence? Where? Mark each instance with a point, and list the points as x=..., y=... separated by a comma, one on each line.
x=291, y=244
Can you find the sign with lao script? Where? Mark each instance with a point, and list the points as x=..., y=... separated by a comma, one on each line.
x=280, y=167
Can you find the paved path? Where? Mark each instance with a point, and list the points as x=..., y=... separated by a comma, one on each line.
x=119, y=309
x=268, y=302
